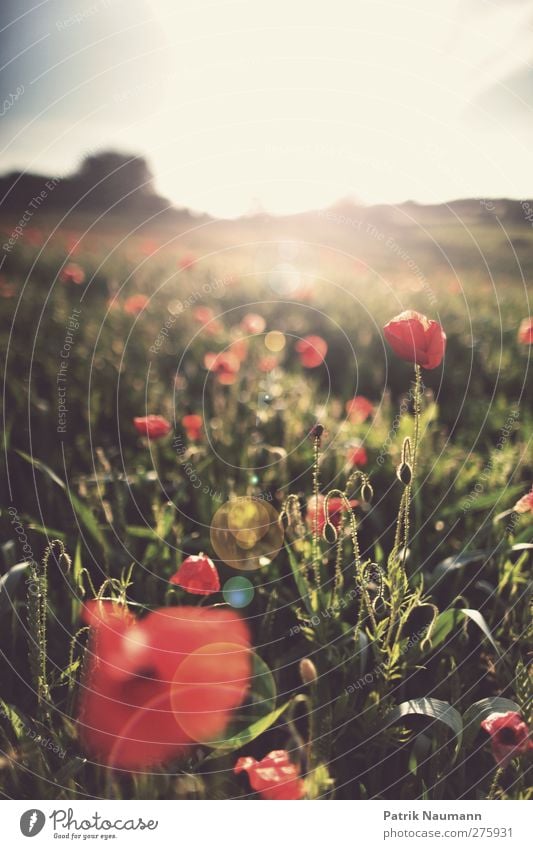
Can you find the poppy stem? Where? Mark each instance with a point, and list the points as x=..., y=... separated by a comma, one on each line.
x=316, y=486
x=495, y=783
x=301, y=744
x=417, y=410
x=407, y=470
x=37, y=615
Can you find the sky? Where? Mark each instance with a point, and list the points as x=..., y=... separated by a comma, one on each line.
x=279, y=105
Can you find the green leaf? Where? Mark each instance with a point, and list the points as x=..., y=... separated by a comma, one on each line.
x=70, y=670
x=247, y=734
x=479, y=711
x=524, y=690
x=480, y=621
x=49, y=533
x=452, y=564
x=362, y=644
x=8, y=585
x=489, y=499
x=432, y=708
x=77, y=569
x=419, y=753
x=83, y=513
x=16, y=719
x=140, y=532
x=444, y=625
x=67, y=772
x=299, y=579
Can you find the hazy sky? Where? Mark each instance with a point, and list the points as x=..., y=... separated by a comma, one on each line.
x=281, y=103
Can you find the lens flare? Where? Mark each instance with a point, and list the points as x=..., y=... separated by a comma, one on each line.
x=233, y=686
x=238, y=592
x=275, y=341
x=246, y=533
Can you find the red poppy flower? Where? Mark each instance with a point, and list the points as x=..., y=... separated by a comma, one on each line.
x=187, y=261
x=206, y=317
x=7, y=290
x=525, y=332
x=154, y=427
x=267, y=363
x=357, y=456
x=193, y=426
x=336, y=506
x=509, y=736
x=358, y=409
x=72, y=273
x=253, y=323
x=274, y=777
x=157, y=685
x=33, y=236
x=417, y=339
x=202, y=314
x=135, y=304
x=149, y=247
x=240, y=349
x=198, y=575
x=225, y=365
x=311, y=350
x=525, y=504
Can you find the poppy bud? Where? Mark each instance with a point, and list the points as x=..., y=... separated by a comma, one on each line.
x=64, y=561
x=308, y=672
x=367, y=493
x=61, y=558
x=404, y=473
x=330, y=532
x=317, y=431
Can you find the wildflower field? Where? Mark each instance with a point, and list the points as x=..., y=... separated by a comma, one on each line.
x=266, y=526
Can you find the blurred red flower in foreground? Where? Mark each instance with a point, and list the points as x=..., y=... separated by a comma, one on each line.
x=157, y=685
x=225, y=365
x=193, y=426
x=135, y=304
x=357, y=456
x=154, y=427
x=509, y=736
x=358, y=409
x=417, y=339
x=525, y=504
x=525, y=332
x=311, y=350
x=253, y=323
x=336, y=506
x=274, y=777
x=198, y=575
x=72, y=273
